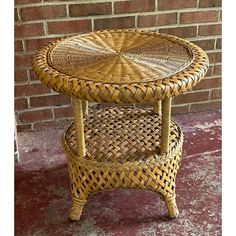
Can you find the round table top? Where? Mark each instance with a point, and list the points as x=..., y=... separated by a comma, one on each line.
x=121, y=66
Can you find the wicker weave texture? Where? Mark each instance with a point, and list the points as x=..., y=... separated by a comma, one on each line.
x=121, y=66
x=123, y=152
x=119, y=57
x=122, y=148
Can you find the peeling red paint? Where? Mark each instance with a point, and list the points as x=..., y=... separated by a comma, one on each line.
x=42, y=196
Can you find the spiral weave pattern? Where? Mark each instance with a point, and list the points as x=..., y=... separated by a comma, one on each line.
x=121, y=66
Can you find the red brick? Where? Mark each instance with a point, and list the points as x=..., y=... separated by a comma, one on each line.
x=24, y=128
x=21, y=104
x=26, y=1
x=184, y=32
x=38, y=115
x=134, y=6
x=31, y=89
x=16, y=18
x=176, y=4
x=62, y=27
x=63, y=112
x=90, y=9
x=192, y=97
x=179, y=109
x=29, y=30
x=115, y=23
x=208, y=30
x=23, y=60
x=42, y=12
x=216, y=94
x=33, y=76
x=219, y=43
x=205, y=44
x=21, y=75
x=214, y=57
x=210, y=71
x=217, y=70
x=36, y=44
x=18, y=46
x=157, y=20
x=210, y=106
x=51, y=100
x=57, y=124
x=208, y=84
x=210, y=3
x=198, y=17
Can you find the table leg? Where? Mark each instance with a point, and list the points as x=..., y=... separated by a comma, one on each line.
x=171, y=206
x=85, y=107
x=165, y=140
x=77, y=208
x=165, y=126
x=79, y=126
x=78, y=199
x=157, y=107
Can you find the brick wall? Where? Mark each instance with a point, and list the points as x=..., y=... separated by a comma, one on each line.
x=40, y=21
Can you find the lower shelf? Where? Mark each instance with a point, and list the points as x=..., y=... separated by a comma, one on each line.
x=122, y=147
x=124, y=135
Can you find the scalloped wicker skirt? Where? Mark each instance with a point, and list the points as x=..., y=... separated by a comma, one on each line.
x=122, y=152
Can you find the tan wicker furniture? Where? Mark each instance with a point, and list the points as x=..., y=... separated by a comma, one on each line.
x=122, y=147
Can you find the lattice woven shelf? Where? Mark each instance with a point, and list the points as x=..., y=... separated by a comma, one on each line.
x=122, y=147
x=122, y=152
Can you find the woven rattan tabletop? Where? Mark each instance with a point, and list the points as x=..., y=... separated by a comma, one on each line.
x=121, y=66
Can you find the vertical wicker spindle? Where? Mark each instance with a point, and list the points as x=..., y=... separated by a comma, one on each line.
x=157, y=107
x=79, y=126
x=85, y=107
x=165, y=126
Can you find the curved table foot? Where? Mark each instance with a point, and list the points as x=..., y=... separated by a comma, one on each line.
x=76, y=209
x=172, y=207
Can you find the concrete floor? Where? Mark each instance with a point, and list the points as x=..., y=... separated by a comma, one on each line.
x=42, y=196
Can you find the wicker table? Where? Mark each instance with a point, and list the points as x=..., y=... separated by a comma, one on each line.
x=122, y=147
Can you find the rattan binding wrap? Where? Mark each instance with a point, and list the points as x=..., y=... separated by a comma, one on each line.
x=122, y=152
x=121, y=66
